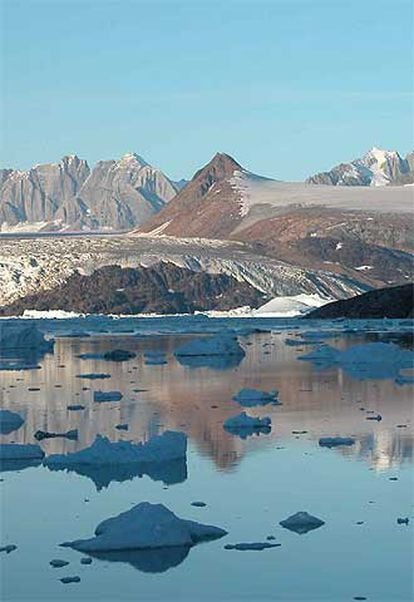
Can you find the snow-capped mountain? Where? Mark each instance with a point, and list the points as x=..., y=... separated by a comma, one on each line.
x=115, y=194
x=376, y=168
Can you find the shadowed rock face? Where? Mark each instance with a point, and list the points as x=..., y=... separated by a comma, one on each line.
x=392, y=302
x=163, y=288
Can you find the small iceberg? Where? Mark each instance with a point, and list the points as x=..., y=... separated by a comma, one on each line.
x=365, y=361
x=256, y=546
x=249, y=398
x=9, y=422
x=14, y=456
x=146, y=526
x=336, y=441
x=244, y=425
x=22, y=345
x=219, y=352
x=302, y=522
x=119, y=355
x=103, y=396
x=16, y=451
x=94, y=375
x=163, y=457
x=71, y=435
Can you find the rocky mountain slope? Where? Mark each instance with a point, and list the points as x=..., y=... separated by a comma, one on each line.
x=392, y=302
x=116, y=195
x=30, y=265
x=344, y=229
x=163, y=288
x=376, y=168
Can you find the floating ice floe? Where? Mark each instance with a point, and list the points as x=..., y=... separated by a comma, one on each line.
x=405, y=379
x=72, y=435
x=146, y=528
x=163, y=457
x=215, y=352
x=256, y=546
x=370, y=360
x=22, y=345
x=94, y=376
x=253, y=397
x=119, y=355
x=14, y=456
x=16, y=451
x=244, y=425
x=103, y=396
x=9, y=422
x=336, y=441
x=301, y=522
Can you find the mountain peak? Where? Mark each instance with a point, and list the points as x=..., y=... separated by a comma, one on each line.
x=133, y=159
x=221, y=166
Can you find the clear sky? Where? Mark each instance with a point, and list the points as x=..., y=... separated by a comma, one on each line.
x=288, y=87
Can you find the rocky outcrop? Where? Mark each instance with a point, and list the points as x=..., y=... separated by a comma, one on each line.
x=392, y=302
x=115, y=195
x=376, y=168
x=163, y=288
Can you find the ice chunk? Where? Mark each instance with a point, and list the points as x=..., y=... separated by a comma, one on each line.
x=40, y=435
x=11, y=547
x=145, y=526
x=94, y=375
x=335, y=441
x=253, y=397
x=57, y=563
x=218, y=352
x=369, y=360
x=256, y=546
x=163, y=457
x=75, y=579
x=9, y=422
x=302, y=522
x=119, y=355
x=244, y=425
x=102, y=396
x=26, y=335
x=15, y=451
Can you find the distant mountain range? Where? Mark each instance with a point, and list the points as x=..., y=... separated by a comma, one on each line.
x=116, y=195
x=376, y=168
x=126, y=193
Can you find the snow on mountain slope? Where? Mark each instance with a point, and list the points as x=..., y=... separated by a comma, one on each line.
x=377, y=167
x=33, y=264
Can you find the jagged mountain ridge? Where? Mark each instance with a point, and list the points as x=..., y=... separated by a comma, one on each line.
x=376, y=168
x=115, y=194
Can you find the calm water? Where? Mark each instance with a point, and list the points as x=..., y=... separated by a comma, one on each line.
x=248, y=485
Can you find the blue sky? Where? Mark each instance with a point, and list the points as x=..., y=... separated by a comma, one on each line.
x=288, y=87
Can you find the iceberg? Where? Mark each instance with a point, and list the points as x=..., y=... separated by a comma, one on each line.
x=145, y=527
x=103, y=396
x=163, y=457
x=301, y=522
x=253, y=397
x=9, y=422
x=15, y=451
x=336, y=441
x=244, y=425
x=219, y=352
x=22, y=345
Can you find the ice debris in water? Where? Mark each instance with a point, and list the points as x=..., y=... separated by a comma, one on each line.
x=94, y=375
x=9, y=422
x=369, y=360
x=72, y=435
x=102, y=396
x=244, y=425
x=15, y=335
x=15, y=451
x=301, y=522
x=145, y=526
x=74, y=579
x=256, y=546
x=168, y=446
x=119, y=355
x=253, y=397
x=335, y=441
x=9, y=548
x=57, y=563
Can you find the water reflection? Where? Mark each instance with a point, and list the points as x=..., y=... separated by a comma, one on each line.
x=198, y=401
x=157, y=560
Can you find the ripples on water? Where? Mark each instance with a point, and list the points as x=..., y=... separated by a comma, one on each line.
x=248, y=485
